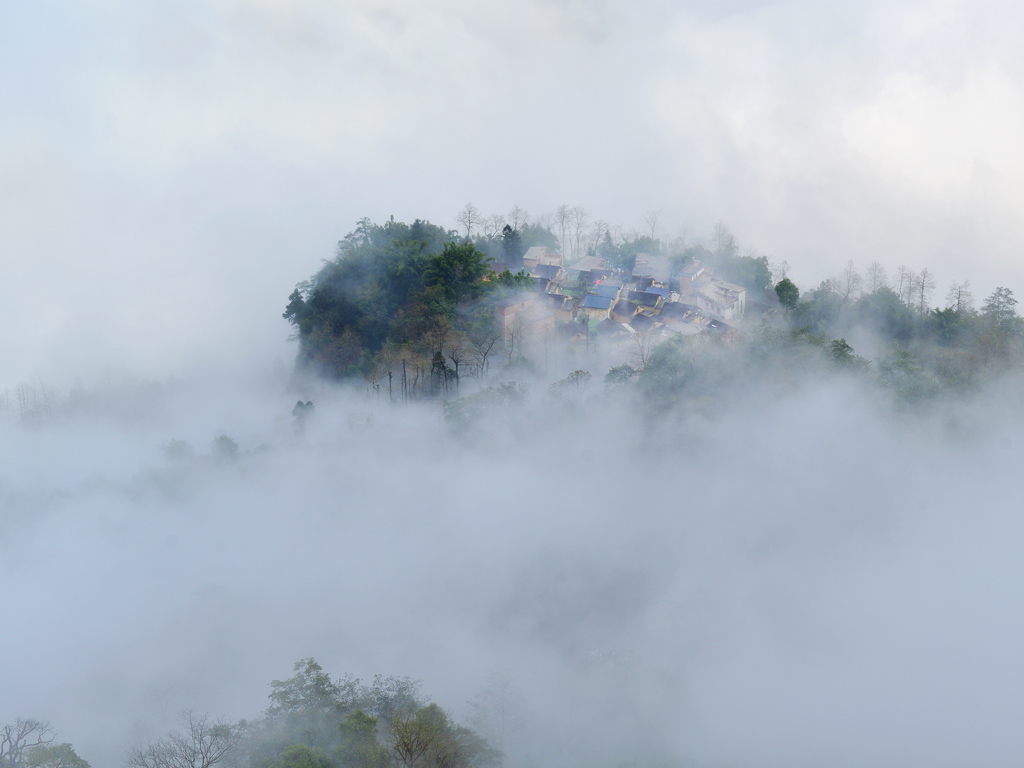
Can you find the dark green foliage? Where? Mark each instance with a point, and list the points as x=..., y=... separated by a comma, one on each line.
x=535, y=234
x=620, y=376
x=842, y=354
x=391, y=286
x=788, y=294
x=819, y=311
x=885, y=313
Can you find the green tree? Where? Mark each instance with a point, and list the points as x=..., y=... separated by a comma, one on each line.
x=788, y=294
x=22, y=736
x=54, y=756
x=458, y=270
x=310, y=688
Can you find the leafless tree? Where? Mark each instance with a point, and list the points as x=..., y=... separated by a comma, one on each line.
x=459, y=352
x=514, y=333
x=847, y=284
x=470, y=218
x=579, y=219
x=642, y=344
x=493, y=226
x=412, y=732
x=483, y=340
x=922, y=288
x=876, y=277
x=905, y=278
x=201, y=743
x=498, y=711
x=517, y=218
x=959, y=298
x=20, y=736
x=562, y=216
x=725, y=241
x=573, y=387
x=779, y=270
x=651, y=220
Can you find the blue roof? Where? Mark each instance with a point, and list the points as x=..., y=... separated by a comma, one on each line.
x=597, y=302
x=605, y=290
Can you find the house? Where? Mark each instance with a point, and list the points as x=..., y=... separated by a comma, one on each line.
x=596, y=307
x=645, y=299
x=538, y=256
x=655, y=266
x=623, y=310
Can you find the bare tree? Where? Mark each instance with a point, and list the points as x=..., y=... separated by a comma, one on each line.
x=847, y=284
x=922, y=287
x=470, y=218
x=200, y=743
x=517, y=218
x=459, y=351
x=876, y=277
x=493, y=226
x=905, y=278
x=959, y=298
x=779, y=270
x=514, y=333
x=23, y=735
x=412, y=732
x=562, y=215
x=579, y=220
x=651, y=220
x=498, y=711
x=483, y=340
x=725, y=241
x=642, y=342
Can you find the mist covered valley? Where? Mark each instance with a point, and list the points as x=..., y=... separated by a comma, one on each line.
x=801, y=571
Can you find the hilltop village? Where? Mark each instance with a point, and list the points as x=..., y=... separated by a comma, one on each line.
x=593, y=298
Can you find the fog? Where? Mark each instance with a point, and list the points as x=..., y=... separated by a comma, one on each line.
x=168, y=172
x=805, y=577
x=821, y=580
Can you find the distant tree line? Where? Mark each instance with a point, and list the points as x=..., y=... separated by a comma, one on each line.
x=314, y=721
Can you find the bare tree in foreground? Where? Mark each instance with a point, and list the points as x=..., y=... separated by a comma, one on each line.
x=960, y=299
x=201, y=743
x=20, y=736
x=643, y=343
x=876, y=277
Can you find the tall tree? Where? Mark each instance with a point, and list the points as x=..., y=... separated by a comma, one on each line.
x=470, y=218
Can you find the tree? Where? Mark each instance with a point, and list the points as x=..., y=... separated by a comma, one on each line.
x=201, y=743
x=876, y=277
x=470, y=218
x=959, y=298
x=54, y=756
x=651, y=219
x=642, y=343
x=847, y=284
x=923, y=285
x=412, y=732
x=562, y=215
x=517, y=218
x=310, y=688
x=573, y=387
x=21, y=736
x=788, y=293
x=1000, y=310
x=904, y=283
x=498, y=708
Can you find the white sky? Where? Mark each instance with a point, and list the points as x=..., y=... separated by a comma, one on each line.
x=169, y=171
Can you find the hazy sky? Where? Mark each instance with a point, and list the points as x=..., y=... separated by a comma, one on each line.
x=168, y=171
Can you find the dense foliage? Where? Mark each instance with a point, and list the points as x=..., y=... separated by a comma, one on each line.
x=316, y=722
x=394, y=288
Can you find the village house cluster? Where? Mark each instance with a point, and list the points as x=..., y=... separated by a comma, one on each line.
x=652, y=299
